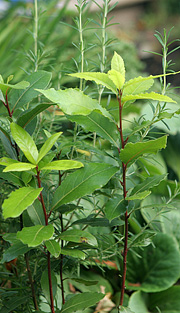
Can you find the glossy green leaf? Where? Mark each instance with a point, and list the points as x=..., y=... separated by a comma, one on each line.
x=133, y=151
x=35, y=235
x=137, y=85
x=28, y=115
x=21, y=85
x=75, y=253
x=117, y=78
x=63, y=165
x=83, y=182
x=36, y=214
x=151, y=96
x=99, y=78
x=19, y=200
x=100, y=124
x=39, y=79
x=19, y=167
x=81, y=302
x=73, y=101
x=48, y=145
x=25, y=143
x=45, y=284
x=115, y=207
x=7, y=161
x=16, y=249
x=53, y=247
x=156, y=267
x=117, y=64
x=79, y=236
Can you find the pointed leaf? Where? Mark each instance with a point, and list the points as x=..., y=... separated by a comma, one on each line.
x=19, y=167
x=115, y=207
x=28, y=115
x=81, y=302
x=79, y=236
x=75, y=253
x=151, y=95
x=12, y=177
x=25, y=143
x=6, y=141
x=98, y=123
x=19, y=200
x=83, y=182
x=48, y=145
x=17, y=248
x=45, y=284
x=139, y=195
x=7, y=161
x=137, y=85
x=35, y=235
x=73, y=101
x=53, y=247
x=99, y=78
x=62, y=165
x=117, y=78
x=133, y=151
x=21, y=85
x=117, y=64
x=36, y=213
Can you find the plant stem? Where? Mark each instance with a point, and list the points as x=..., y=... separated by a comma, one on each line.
x=31, y=281
x=61, y=263
x=81, y=41
x=48, y=254
x=36, y=34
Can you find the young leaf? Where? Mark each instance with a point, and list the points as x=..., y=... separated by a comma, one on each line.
x=63, y=165
x=99, y=78
x=53, y=247
x=83, y=182
x=151, y=95
x=117, y=78
x=25, y=143
x=137, y=85
x=35, y=235
x=133, y=151
x=117, y=64
x=7, y=161
x=45, y=284
x=19, y=200
x=81, y=302
x=79, y=236
x=48, y=145
x=19, y=167
x=21, y=85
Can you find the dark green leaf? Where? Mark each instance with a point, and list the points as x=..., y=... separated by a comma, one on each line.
x=45, y=284
x=17, y=248
x=28, y=115
x=14, y=303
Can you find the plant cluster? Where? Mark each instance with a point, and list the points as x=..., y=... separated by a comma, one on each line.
x=90, y=221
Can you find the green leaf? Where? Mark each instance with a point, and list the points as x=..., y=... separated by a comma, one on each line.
x=36, y=213
x=170, y=223
x=25, y=143
x=14, y=303
x=75, y=253
x=99, y=78
x=21, y=85
x=167, y=301
x=151, y=95
x=83, y=182
x=62, y=165
x=45, y=284
x=126, y=310
x=79, y=236
x=137, y=85
x=100, y=124
x=17, y=248
x=19, y=167
x=138, y=303
x=53, y=247
x=19, y=200
x=81, y=302
x=117, y=64
x=13, y=177
x=146, y=185
x=38, y=79
x=35, y=235
x=84, y=281
x=133, y=151
x=48, y=145
x=28, y=115
x=73, y=101
x=156, y=267
x=7, y=161
x=139, y=195
x=6, y=141
x=117, y=78
x=115, y=207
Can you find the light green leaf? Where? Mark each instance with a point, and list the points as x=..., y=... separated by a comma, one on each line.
x=81, y=302
x=137, y=85
x=25, y=143
x=139, y=195
x=117, y=64
x=75, y=253
x=133, y=151
x=19, y=200
x=35, y=235
x=100, y=124
x=19, y=167
x=151, y=96
x=126, y=310
x=117, y=78
x=137, y=303
x=7, y=161
x=83, y=182
x=21, y=85
x=45, y=284
x=62, y=165
x=48, y=145
x=73, y=101
x=99, y=78
x=155, y=267
x=53, y=247
x=79, y=236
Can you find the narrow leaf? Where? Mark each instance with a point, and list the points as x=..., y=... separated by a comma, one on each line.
x=48, y=145
x=53, y=247
x=151, y=95
x=79, y=236
x=14, y=303
x=18, y=248
x=117, y=64
x=35, y=235
x=62, y=165
x=25, y=143
x=75, y=253
x=28, y=115
x=19, y=200
x=19, y=167
x=139, y=195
